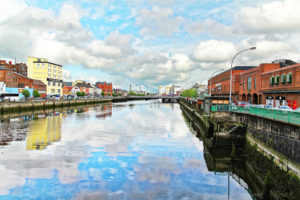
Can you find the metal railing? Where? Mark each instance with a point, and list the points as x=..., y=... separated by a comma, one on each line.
x=283, y=115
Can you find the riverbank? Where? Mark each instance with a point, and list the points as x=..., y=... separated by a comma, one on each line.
x=210, y=124
x=14, y=107
x=261, y=174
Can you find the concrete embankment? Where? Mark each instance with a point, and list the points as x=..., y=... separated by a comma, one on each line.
x=276, y=141
x=10, y=107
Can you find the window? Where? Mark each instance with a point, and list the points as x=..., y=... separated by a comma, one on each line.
x=272, y=80
x=53, y=84
x=49, y=83
x=58, y=84
x=289, y=78
x=254, y=83
x=244, y=85
x=43, y=65
x=58, y=91
x=52, y=90
x=283, y=78
x=249, y=81
x=277, y=80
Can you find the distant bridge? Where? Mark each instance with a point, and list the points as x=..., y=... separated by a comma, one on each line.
x=165, y=99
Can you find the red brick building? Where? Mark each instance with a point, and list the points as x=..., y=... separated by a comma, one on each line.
x=282, y=85
x=106, y=88
x=40, y=87
x=20, y=68
x=251, y=83
x=13, y=79
x=220, y=84
x=269, y=83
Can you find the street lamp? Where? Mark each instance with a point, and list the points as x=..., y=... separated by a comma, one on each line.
x=251, y=48
x=211, y=78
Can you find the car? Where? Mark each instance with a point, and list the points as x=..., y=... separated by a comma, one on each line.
x=269, y=107
x=286, y=108
x=241, y=103
x=260, y=106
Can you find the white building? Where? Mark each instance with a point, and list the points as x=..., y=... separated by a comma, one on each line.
x=2, y=87
x=175, y=89
x=160, y=90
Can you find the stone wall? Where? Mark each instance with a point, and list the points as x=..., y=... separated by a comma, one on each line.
x=281, y=136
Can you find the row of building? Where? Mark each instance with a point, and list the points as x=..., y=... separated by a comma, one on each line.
x=169, y=90
x=276, y=83
x=46, y=77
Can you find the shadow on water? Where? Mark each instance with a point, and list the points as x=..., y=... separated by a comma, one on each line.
x=250, y=168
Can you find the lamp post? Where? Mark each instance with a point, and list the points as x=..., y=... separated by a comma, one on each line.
x=211, y=78
x=251, y=48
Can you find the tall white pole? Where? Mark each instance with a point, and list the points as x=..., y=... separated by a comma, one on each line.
x=252, y=48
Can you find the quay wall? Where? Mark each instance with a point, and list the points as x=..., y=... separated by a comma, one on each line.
x=276, y=140
x=10, y=107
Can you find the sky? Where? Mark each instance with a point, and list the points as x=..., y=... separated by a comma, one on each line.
x=149, y=43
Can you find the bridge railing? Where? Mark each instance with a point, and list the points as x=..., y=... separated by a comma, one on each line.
x=283, y=115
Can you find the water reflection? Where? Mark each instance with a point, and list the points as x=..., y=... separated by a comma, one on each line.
x=43, y=132
x=144, y=151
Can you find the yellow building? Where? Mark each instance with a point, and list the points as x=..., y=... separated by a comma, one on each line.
x=48, y=72
x=168, y=90
x=43, y=132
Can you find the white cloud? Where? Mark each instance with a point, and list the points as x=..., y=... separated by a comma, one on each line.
x=276, y=16
x=158, y=21
x=214, y=51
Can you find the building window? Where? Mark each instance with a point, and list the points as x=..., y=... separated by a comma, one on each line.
x=53, y=84
x=289, y=78
x=277, y=80
x=255, y=83
x=38, y=65
x=272, y=80
x=249, y=81
x=283, y=78
x=43, y=65
x=52, y=90
x=58, y=91
x=49, y=83
x=244, y=85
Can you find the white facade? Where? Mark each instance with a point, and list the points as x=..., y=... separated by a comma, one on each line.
x=160, y=90
x=175, y=89
x=2, y=87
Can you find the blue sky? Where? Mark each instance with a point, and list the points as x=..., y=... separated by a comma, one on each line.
x=148, y=43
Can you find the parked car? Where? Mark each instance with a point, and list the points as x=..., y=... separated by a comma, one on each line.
x=287, y=108
x=260, y=106
x=241, y=103
x=269, y=107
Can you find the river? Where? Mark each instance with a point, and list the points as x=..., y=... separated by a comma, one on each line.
x=131, y=150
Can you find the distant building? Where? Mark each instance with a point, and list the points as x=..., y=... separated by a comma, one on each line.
x=40, y=87
x=106, y=88
x=47, y=72
x=20, y=68
x=175, y=89
x=67, y=88
x=168, y=90
x=160, y=90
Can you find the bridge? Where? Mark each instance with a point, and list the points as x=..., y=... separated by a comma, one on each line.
x=165, y=99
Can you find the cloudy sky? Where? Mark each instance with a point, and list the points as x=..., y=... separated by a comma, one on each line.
x=149, y=43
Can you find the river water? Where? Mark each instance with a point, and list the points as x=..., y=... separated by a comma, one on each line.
x=132, y=150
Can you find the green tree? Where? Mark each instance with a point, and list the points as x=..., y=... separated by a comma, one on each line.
x=190, y=93
x=102, y=93
x=78, y=94
x=36, y=94
x=26, y=93
x=83, y=94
